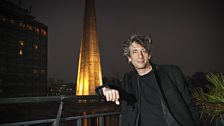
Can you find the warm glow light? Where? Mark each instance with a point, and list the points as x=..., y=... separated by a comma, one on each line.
x=89, y=67
x=20, y=52
x=21, y=43
x=43, y=32
x=37, y=30
x=35, y=46
x=12, y=21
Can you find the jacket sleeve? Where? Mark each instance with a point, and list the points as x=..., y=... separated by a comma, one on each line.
x=99, y=90
x=183, y=89
x=116, y=85
x=122, y=89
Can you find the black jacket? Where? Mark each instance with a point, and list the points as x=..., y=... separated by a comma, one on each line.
x=179, y=108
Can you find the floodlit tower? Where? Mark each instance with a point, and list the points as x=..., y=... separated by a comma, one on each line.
x=89, y=69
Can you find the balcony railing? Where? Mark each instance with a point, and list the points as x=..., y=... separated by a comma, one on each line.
x=78, y=120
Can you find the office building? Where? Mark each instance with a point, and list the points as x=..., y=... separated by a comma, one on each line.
x=23, y=52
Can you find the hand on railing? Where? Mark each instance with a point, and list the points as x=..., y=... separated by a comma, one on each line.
x=109, y=94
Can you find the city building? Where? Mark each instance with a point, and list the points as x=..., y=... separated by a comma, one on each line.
x=23, y=52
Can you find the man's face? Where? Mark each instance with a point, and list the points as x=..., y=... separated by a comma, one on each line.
x=139, y=56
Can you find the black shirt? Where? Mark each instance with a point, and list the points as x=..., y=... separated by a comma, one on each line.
x=151, y=113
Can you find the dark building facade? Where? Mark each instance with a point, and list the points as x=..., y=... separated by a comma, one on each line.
x=23, y=53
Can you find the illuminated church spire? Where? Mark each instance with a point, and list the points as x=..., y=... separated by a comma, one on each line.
x=89, y=69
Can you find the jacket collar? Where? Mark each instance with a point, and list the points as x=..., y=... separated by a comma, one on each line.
x=155, y=67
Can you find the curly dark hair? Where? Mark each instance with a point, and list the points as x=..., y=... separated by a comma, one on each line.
x=144, y=40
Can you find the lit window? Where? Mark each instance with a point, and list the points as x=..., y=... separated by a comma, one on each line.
x=12, y=21
x=43, y=32
x=21, y=24
x=29, y=27
x=35, y=71
x=21, y=42
x=35, y=46
x=42, y=70
x=3, y=18
x=20, y=52
x=37, y=30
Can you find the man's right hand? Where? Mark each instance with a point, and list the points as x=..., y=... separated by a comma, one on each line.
x=111, y=95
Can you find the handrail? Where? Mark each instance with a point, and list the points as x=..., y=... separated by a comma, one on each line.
x=63, y=119
x=58, y=119
x=90, y=116
x=45, y=99
x=29, y=122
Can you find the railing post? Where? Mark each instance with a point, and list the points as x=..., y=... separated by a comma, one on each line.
x=79, y=122
x=120, y=116
x=101, y=121
x=57, y=121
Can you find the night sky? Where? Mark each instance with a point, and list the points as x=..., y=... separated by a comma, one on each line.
x=188, y=33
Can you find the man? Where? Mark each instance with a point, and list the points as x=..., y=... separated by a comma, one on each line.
x=152, y=95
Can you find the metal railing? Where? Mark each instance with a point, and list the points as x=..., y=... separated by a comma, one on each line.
x=56, y=121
